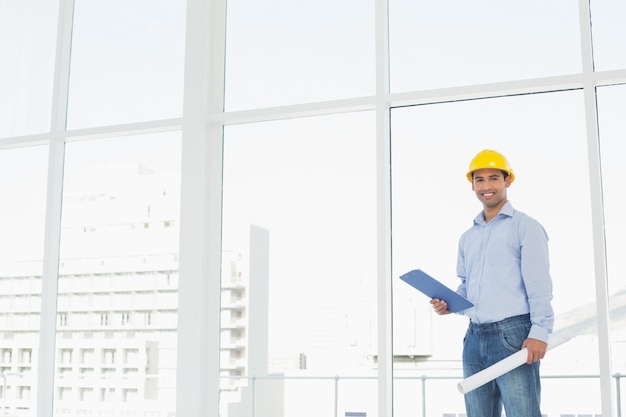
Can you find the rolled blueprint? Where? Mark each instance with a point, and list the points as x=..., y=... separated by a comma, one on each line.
x=489, y=374
x=505, y=365
x=579, y=321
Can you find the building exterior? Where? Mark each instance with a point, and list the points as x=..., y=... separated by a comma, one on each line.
x=117, y=311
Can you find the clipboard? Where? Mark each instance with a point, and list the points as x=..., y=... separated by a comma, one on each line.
x=435, y=289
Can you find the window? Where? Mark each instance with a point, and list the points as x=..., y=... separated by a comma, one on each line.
x=447, y=44
x=301, y=54
x=138, y=61
x=433, y=204
x=331, y=115
x=299, y=219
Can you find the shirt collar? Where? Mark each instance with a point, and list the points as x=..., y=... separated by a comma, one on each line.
x=506, y=210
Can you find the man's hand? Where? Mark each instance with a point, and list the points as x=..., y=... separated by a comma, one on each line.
x=536, y=350
x=440, y=306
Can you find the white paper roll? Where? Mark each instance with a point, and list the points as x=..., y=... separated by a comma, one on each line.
x=505, y=365
x=488, y=374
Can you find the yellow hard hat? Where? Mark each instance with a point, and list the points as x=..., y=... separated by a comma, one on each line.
x=490, y=159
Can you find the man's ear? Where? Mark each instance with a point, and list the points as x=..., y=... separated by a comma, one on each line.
x=507, y=181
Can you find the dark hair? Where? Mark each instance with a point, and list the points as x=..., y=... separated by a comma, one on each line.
x=506, y=174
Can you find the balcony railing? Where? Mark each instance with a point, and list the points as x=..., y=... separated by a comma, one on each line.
x=339, y=396
x=565, y=397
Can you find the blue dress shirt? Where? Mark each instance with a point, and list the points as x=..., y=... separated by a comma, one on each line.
x=505, y=270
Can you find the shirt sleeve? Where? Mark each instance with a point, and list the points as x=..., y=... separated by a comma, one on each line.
x=535, y=269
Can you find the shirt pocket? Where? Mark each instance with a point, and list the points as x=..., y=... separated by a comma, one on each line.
x=502, y=248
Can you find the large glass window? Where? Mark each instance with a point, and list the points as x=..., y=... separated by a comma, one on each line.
x=452, y=43
x=118, y=277
x=127, y=62
x=302, y=249
x=543, y=136
x=27, y=47
x=299, y=266
x=23, y=187
x=283, y=52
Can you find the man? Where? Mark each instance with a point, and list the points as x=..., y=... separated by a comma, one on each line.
x=504, y=270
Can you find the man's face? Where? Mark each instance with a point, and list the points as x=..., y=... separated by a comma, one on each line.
x=490, y=186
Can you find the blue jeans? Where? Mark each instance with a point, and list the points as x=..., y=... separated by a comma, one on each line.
x=518, y=390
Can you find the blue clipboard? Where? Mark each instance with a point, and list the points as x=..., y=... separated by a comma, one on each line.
x=435, y=289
